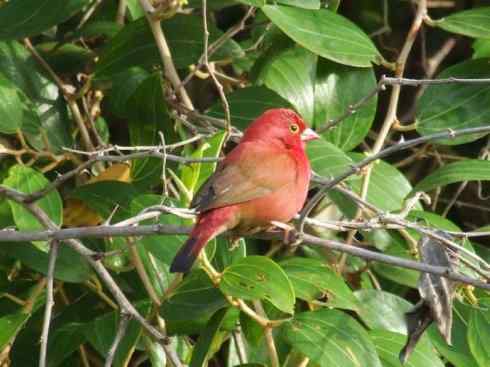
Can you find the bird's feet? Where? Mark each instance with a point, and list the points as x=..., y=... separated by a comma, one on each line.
x=291, y=236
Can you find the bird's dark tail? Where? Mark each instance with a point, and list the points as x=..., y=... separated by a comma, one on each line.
x=208, y=226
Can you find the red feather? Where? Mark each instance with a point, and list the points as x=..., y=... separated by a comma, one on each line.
x=264, y=178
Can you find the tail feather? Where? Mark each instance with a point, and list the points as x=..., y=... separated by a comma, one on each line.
x=187, y=255
x=208, y=225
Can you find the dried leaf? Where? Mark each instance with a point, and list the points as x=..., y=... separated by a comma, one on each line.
x=437, y=297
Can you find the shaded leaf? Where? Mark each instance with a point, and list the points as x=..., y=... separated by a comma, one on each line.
x=331, y=338
x=10, y=325
x=192, y=304
x=64, y=341
x=258, y=277
x=134, y=45
x=11, y=107
x=466, y=170
x=443, y=107
x=20, y=19
x=325, y=33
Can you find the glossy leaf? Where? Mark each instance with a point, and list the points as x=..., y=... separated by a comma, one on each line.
x=11, y=107
x=291, y=73
x=326, y=159
x=20, y=19
x=331, y=338
x=325, y=33
x=388, y=187
x=191, y=304
x=45, y=114
x=70, y=266
x=313, y=279
x=388, y=345
x=479, y=334
x=336, y=88
x=249, y=103
x=473, y=22
x=444, y=107
x=258, y=277
x=28, y=180
x=466, y=170
x=382, y=310
x=134, y=45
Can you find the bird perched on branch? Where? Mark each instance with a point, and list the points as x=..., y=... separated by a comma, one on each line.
x=263, y=179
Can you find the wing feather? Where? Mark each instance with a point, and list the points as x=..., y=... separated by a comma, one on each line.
x=250, y=171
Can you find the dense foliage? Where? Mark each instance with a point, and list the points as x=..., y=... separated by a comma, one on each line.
x=110, y=130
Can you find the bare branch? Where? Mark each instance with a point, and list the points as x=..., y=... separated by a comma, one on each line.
x=121, y=330
x=48, y=308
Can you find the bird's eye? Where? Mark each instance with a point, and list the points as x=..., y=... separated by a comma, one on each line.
x=294, y=128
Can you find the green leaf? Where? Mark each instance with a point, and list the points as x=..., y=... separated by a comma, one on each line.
x=337, y=87
x=393, y=244
x=331, y=338
x=163, y=247
x=473, y=23
x=11, y=107
x=388, y=187
x=45, y=114
x=388, y=345
x=481, y=48
x=307, y=4
x=313, y=279
x=192, y=304
x=105, y=196
x=458, y=353
x=28, y=180
x=10, y=325
x=20, y=19
x=479, y=334
x=70, y=266
x=102, y=331
x=326, y=159
x=258, y=277
x=211, y=337
x=325, y=33
x=382, y=310
x=67, y=58
x=135, y=45
x=467, y=170
x=291, y=73
x=64, y=341
x=228, y=253
x=247, y=104
x=444, y=107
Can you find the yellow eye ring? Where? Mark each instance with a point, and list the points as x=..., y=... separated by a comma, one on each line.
x=294, y=128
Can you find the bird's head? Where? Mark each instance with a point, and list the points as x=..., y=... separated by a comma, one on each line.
x=280, y=125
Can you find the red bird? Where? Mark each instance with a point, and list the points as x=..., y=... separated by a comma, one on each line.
x=264, y=178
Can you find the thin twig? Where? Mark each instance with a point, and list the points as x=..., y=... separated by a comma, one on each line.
x=217, y=84
x=121, y=330
x=48, y=308
x=269, y=338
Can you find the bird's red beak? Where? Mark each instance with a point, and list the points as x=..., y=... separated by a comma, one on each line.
x=308, y=134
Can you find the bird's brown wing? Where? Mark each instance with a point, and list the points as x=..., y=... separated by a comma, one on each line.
x=244, y=175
